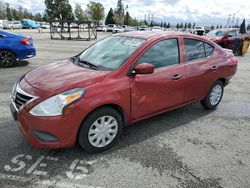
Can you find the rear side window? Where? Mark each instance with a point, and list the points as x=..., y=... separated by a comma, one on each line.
x=194, y=49
x=208, y=49
x=161, y=54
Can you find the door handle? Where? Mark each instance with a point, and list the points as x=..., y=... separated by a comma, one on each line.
x=214, y=67
x=176, y=77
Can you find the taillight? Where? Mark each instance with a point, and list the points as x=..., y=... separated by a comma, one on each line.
x=27, y=41
x=234, y=60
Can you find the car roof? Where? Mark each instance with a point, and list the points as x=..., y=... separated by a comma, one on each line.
x=156, y=34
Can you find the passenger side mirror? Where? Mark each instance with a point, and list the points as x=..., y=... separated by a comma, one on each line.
x=144, y=68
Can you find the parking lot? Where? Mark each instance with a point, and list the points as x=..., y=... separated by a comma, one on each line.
x=187, y=147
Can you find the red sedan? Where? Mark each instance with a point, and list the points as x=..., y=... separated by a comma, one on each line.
x=117, y=81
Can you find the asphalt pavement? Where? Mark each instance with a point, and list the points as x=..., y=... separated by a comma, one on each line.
x=187, y=147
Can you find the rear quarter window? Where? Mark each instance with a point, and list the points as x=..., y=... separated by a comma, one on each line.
x=209, y=49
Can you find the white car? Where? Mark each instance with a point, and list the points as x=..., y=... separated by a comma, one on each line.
x=118, y=30
x=156, y=28
x=111, y=27
x=45, y=25
x=12, y=25
x=102, y=28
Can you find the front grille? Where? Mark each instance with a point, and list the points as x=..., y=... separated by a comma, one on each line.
x=21, y=99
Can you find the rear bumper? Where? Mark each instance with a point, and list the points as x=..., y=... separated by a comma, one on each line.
x=27, y=52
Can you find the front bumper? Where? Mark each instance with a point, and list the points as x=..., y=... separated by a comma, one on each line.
x=47, y=132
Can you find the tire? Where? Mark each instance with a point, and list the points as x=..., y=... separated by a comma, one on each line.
x=214, y=96
x=7, y=58
x=93, y=134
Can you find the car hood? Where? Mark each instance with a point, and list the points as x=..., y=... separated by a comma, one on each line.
x=61, y=76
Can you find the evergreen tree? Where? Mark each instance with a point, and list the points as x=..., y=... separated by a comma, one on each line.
x=181, y=25
x=185, y=26
x=127, y=19
x=110, y=17
x=177, y=26
x=168, y=26
x=9, y=13
x=189, y=25
x=119, y=13
x=193, y=25
x=212, y=27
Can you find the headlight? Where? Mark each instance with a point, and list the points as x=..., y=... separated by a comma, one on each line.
x=55, y=105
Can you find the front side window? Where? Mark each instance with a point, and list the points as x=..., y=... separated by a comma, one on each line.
x=161, y=54
x=194, y=49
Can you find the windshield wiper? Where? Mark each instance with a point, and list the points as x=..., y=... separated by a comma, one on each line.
x=80, y=62
x=88, y=63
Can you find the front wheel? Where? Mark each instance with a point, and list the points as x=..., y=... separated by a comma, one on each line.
x=214, y=96
x=7, y=58
x=100, y=130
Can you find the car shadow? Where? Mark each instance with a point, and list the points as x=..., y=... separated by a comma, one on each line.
x=21, y=63
x=146, y=129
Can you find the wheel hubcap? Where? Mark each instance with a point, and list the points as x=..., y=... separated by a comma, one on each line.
x=6, y=58
x=103, y=131
x=216, y=94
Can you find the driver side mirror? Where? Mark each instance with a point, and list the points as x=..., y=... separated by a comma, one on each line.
x=144, y=68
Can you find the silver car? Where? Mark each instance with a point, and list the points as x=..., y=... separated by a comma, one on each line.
x=12, y=25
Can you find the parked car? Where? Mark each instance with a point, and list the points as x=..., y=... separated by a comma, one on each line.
x=12, y=25
x=228, y=38
x=30, y=24
x=111, y=27
x=156, y=28
x=102, y=28
x=14, y=47
x=199, y=30
x=118, y=29
x=123, y=78
x=45, y=25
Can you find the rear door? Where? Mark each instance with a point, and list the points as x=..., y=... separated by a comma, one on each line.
x=200, y=69
x=164, y=89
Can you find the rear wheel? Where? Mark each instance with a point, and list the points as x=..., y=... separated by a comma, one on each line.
x=7, y=58
x=214, y=96
x=100, y=130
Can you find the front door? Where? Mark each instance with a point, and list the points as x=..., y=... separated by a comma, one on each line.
x=163, y=89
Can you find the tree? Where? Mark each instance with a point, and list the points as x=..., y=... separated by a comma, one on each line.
x=181, y=25
x=38, y=17
x=168, y=26
x=2, y=11
x=193, y=25
x=119, y=13
x=189, y=25
x=79, y=13
x=110, y=17
x=95, y=11
x=9, y=12
x=185, y=26
x=177, y=26
x=59, y=10
x=212, y=27
x=248, y=27
x=128, y=19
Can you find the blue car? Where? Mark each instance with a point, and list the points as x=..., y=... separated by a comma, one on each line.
x=30, y=24
x=14, y=47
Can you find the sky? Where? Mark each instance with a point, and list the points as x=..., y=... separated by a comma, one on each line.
x=200, y=11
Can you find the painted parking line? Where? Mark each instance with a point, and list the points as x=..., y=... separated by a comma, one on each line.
x=36, y=181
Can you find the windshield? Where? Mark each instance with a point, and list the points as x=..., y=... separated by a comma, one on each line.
x=111, y=52
x=215, y=33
